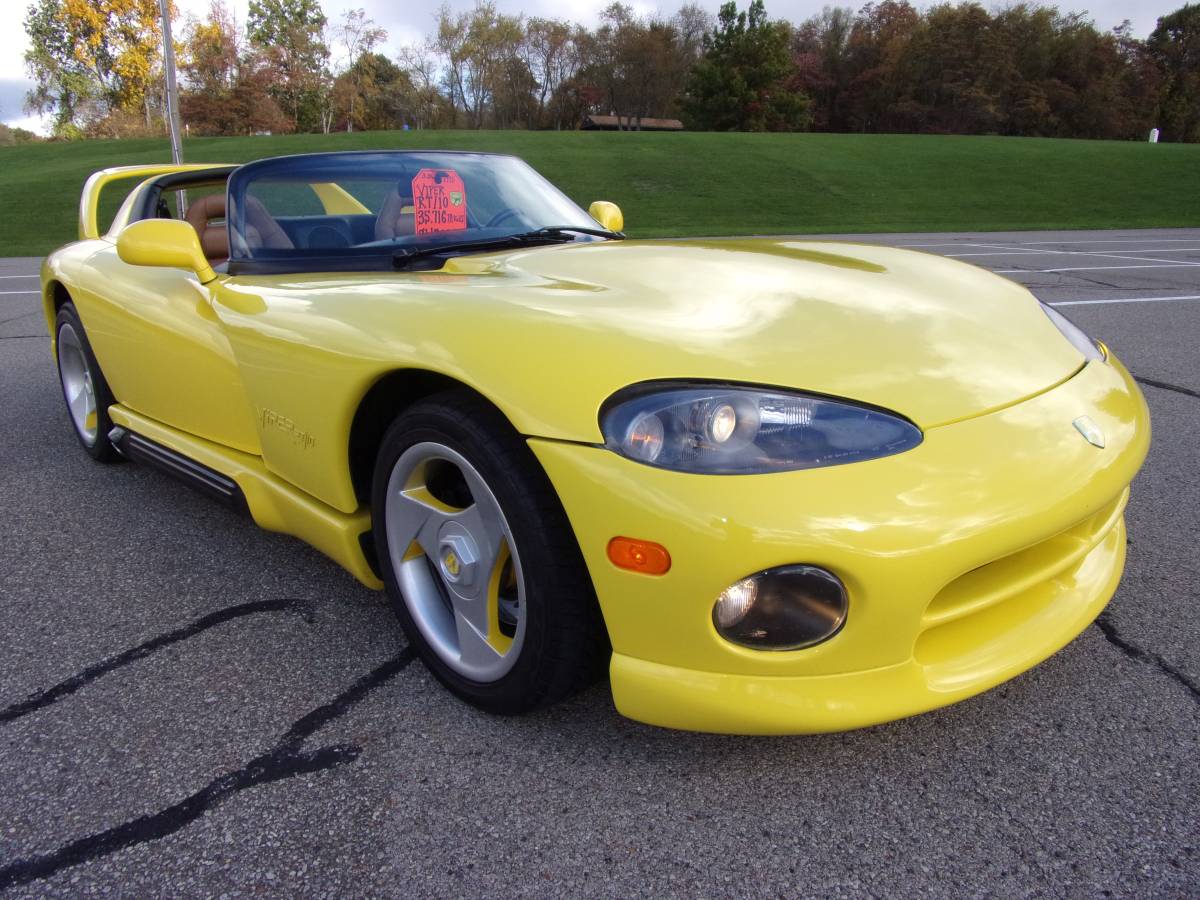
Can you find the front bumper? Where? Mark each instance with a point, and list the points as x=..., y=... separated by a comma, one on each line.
x=967, y=559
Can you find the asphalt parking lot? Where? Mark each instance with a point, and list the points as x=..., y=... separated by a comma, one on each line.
x=191, y=706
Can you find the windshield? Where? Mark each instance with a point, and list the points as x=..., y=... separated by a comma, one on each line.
x=350, y=210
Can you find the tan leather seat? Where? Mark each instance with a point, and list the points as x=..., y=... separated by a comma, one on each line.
x=214, y=236
x=396, y=218
x=262, y=230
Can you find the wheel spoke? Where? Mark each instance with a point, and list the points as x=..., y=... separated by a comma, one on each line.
x=470, y=605
x=413, y=516
x=78, y=404
x=89, y=406
x=473, y=647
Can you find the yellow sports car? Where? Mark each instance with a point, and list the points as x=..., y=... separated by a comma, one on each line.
x=774, y=486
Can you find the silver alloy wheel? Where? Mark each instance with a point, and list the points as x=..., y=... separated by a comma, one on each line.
x=455, y=561
x=78, y=389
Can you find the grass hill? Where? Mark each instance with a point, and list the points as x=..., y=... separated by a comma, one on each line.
x=714, y=184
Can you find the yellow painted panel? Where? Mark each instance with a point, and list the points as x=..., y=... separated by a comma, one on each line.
x=162, y=348
x=89, y=200
x=895, y=530
x=274, y=504
x=548, y=334
x=337, y=200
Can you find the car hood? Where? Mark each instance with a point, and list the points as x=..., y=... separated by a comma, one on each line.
x=550, y=333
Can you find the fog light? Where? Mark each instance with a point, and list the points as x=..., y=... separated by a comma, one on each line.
x=733, y=604
x=782, y=609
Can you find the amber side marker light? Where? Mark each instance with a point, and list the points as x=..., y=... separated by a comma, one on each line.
x=645, y=557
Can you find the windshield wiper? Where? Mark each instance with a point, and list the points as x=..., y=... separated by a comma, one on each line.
x=552, y=234
x=580, y=229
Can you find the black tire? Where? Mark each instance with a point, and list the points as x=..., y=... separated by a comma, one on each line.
x=98, y=445
x=565, y=646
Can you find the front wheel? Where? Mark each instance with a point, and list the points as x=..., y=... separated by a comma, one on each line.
x=84, y=389
x=479, y=559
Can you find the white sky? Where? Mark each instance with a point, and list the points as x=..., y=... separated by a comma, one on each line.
x=408, y=22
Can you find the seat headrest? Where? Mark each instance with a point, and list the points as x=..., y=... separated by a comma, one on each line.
x=261, y=228
x=214, y=239
x=396, y=217
x=211, y=206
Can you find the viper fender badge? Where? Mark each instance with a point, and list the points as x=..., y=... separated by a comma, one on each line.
x=1090, y=430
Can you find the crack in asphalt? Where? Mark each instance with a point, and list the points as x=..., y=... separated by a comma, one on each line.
x=42, y=699
x=18, y=337
x=284, y=760
x=24, y=315
x=1028, y=854
x=1134, y=652
x=1167, y=386
x=1097, y=281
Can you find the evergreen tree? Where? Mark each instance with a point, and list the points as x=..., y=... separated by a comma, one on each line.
x=741, y=82
x=1175, y=46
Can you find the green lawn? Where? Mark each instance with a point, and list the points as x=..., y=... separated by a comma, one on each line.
x=713, y=184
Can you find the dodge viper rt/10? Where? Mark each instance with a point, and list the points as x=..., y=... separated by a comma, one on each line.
x=772, y=485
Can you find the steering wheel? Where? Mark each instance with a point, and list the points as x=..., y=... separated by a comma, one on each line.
x=509, y=212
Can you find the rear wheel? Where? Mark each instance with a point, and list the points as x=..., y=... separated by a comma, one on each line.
x=479, y=559
x=85, y=391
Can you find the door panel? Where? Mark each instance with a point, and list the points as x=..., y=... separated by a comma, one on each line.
x=164, y=351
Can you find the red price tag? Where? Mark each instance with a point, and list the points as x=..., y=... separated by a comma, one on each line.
x=439, y=201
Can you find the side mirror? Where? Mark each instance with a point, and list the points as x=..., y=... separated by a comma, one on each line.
x=164, y=242
x=608, y=215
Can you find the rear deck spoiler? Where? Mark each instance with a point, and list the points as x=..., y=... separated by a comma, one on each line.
x=89, y=200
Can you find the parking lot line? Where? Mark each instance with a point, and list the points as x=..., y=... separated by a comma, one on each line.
x=1122, y=300
x=1114, y=241
x=993, y=253
x=1164, y=250
x=1011, y=250
x=1190, y=240
x=1027, y=252
x=20, y=276
x=20, y=292
x=1094, y=268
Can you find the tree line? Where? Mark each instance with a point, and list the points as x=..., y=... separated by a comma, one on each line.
x=957, y=68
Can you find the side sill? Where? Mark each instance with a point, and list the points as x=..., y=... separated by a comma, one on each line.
x=207, y=481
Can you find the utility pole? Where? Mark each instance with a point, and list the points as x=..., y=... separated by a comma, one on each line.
x=164, y=7
x=172, y=87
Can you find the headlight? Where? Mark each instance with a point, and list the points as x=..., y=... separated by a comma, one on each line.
x=724, y=430
x=1073, y=333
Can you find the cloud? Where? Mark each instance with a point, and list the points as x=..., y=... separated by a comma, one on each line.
x=12, y=98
